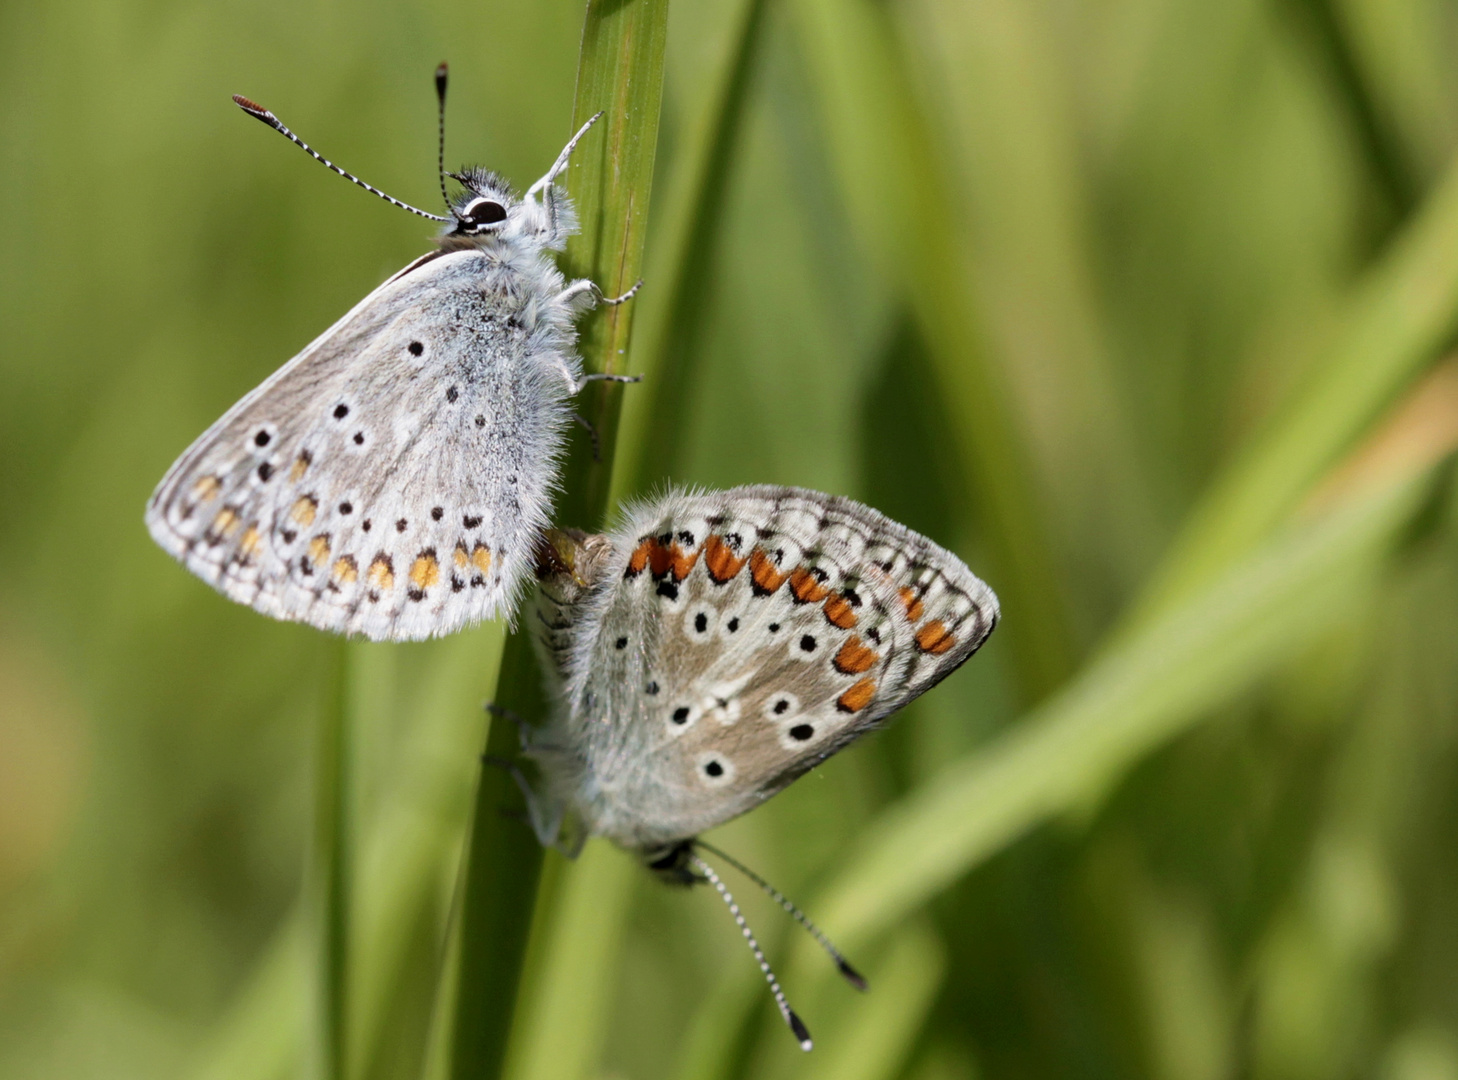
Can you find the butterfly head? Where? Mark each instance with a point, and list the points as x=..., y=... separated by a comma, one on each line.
x=486, y=206
x=673, y=862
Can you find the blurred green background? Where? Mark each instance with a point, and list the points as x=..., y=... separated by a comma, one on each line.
x=1139, y=305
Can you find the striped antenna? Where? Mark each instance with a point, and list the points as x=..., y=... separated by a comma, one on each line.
x=852, y=976
x=252, y=108
x=441, y=74
x=797, y=1026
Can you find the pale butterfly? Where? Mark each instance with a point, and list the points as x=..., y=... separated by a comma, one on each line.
x=392, y=478
x=714, y=647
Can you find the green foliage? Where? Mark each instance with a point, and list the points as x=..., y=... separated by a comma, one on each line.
x=1139, y=305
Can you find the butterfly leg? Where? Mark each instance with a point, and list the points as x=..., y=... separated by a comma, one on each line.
x=585, y=293
x=546, y=813
x=545, y=185
x=543, y=814
x=525, y=731
x=562, y=158
x=620, y=299
x=575, y=383
x=586, y=424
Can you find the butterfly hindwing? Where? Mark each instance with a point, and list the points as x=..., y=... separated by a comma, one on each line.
x=390, y=479
x=739, y=638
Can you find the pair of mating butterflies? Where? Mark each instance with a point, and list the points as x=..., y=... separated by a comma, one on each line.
x=394, y=480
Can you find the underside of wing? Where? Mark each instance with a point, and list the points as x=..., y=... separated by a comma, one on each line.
x=389, y=480
x=745, y=636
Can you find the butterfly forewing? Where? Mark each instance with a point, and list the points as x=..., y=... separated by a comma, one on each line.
x=739, y=638
x=390, y=479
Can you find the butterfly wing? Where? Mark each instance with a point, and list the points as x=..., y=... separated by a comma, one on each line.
x=390, y=479
x=739, y=639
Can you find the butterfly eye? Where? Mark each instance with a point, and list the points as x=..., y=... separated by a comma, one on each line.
x=483, y=212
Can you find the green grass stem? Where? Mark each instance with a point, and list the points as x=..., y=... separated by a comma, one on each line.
x=895, y=185
x=620, y=72
x=1401, y=315
x=333, y=865
x=680, y=277
x=1125, y=703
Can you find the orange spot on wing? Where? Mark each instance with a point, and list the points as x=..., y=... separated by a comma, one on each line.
x=206, y=489
x=806, y=588
x=304, y=510
x=460, y=557
x=857, y=697
x=381, y=573
x=638, y=561
x=226, y=523
x=935, y=638
x=766, y=576
x=681, y=562
x=854, y=658
x=839, y=611
x=251, y=541
x=299, y=468
x=481, y=557
x=346, y=570
x=722, y=563
x=319, y=549
x=912, y=602
x=424, y=571
x=658, y=558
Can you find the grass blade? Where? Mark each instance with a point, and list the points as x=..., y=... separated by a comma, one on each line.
x=1330, y=43
x=503, y=863
x=620, y=70
x=880, y=144
x=333, y=866
x=680, y=275
x=1155, y=679
x=1400, y=317
x=997, y=99
x=262, y=1034
x=567, y=988
x=568, y=1002
x=1130, y=700
x=877, y=1035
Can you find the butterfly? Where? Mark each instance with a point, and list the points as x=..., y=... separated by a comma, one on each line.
x=714, y=647
x=392, y=478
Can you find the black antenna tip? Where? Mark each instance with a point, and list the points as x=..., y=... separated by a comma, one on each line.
x=440, y=78
x=801, y=1031
x=852, y=976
